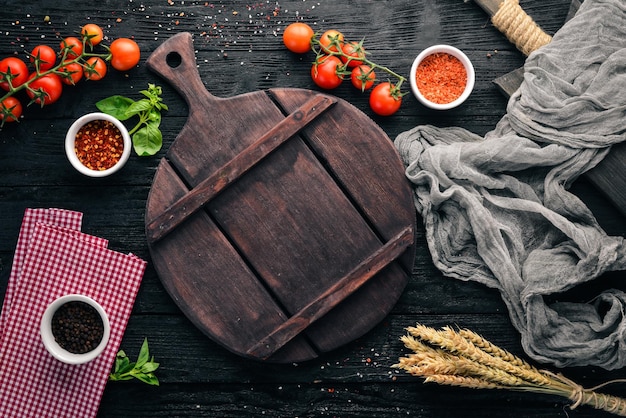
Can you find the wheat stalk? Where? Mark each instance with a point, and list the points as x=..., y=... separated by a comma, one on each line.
x=466, y=359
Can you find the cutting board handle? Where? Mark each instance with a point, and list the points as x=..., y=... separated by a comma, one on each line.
x=175, y=61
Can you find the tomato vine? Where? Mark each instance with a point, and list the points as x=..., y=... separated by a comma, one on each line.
x=76, y=59
x=337, y=58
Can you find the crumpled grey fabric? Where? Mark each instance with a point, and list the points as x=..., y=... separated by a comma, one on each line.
x=497, y=211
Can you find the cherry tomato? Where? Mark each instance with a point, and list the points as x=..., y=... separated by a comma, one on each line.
x=18, y=70
x=95, y=69
x=297, y=37
x=93, y=33
x=73, y=46
x=43, y=56
x=73, y=73
x=125, y=54
x=356, y=53
x=363, y=77
x=385, y=100
x=324, y=72
x=329, y=40
x=50, y=84
x=10, y=109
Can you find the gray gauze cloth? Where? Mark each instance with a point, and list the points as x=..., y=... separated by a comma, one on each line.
x=497, y=211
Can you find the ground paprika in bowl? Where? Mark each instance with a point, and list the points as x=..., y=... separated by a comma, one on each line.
x=97, y=144
x=442, y=77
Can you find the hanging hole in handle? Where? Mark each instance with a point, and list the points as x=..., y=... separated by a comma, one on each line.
x=173, y=59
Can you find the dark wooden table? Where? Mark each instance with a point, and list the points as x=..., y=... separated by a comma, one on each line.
x=239, y=49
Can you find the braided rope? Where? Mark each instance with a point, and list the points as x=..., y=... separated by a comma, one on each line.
x=519, y=28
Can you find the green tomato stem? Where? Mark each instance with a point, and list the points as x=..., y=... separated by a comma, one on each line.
x=54, y=70
x=316, y=46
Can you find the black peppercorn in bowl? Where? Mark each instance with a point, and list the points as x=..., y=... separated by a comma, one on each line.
x=75, y=329
x=97, y=144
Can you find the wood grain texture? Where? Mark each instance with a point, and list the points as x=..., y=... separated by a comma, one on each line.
x=334, y=295
x=296, y=228
x=157, y=228
x=238, y=53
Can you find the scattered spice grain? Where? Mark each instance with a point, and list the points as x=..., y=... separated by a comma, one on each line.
x=99, y=145
x=441, y=78
x=77, y=327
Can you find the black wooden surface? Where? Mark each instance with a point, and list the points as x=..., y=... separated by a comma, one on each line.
x=239, y=50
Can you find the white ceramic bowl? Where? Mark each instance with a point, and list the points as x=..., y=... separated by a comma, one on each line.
x=51, y=344
x=70, y=139
x=455, y=52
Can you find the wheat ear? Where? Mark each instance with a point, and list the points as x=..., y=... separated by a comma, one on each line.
x=466, y=359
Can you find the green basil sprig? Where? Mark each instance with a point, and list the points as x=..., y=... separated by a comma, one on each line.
x=143, y=369
x=147, y=137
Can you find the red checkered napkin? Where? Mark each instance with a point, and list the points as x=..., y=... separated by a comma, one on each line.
x=54, y=217
x=53, y=260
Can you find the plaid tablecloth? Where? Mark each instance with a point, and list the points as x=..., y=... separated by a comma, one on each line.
x=53, y=258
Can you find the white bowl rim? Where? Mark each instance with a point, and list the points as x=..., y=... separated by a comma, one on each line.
x=70, y=139
x=455, y=52
x=54, y=348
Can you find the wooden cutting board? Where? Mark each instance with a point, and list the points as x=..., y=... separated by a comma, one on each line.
x=280, y=221
x=609, y=176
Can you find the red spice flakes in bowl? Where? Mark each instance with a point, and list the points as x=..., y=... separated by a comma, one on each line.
x=97, y=145
x=442, y=77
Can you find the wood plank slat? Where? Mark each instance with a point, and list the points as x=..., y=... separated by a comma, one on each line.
x=343, y=288
x=238, y=166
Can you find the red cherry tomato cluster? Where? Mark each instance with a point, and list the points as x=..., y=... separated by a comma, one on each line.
x=338, y=59
x=49, y=69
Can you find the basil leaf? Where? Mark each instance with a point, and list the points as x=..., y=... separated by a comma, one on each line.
x=148, y=140
x=126, y=366
x=154, y=116
x=115, y=106
x=142, y=369
x=118, y=365
x=137, y=107
x=149, y=367
x=147, y=93
x=148, y=378
x=118, y=378
x=144, y=355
